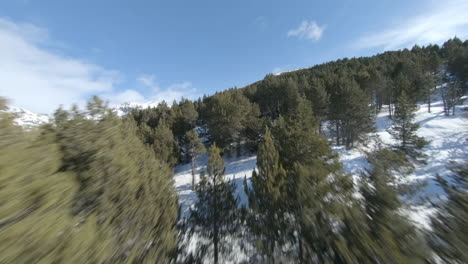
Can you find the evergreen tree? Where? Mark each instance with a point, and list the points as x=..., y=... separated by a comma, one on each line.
x=121, y=183
x=350, y=113
x=320, y=100
x=228, y=114
x=266, y=218
x=404, y=129
x=434, y=64
x=164, y=145
x=392, y=238
x=85, y=190
x=214, y=216
x=194, y=148
x=185, y=117
x=449, y=238
x=451, y=94
x=316, y=185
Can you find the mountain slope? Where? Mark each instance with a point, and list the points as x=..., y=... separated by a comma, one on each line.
x=26, y=118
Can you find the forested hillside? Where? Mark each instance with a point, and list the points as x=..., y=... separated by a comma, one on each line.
x=96, y=187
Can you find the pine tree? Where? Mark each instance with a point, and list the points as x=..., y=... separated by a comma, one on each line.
x=266, y=205
x=449, y=238
x=316, y=185
x=85, y=190
x=350, y=113
x=195, y=148
x=214, y=216
x=404, y=129
x=320, y=100
x=433, y=63
x=121, y=183
x=451, y=94
x=227, y=115
x=390, y=238
x=185, y=117
x=164, y=145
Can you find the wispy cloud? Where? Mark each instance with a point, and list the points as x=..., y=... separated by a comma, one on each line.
x=148, y=80
x=154, y=93
x=307, y=30
x=441, y=20
x=38, y=79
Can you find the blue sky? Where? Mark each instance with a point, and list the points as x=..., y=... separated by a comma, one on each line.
x=61, y=52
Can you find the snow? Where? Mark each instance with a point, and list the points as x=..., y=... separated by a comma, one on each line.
x=448, y=137
x=236, y=169
x=26, y=118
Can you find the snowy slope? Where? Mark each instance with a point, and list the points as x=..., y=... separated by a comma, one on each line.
x=27, y=119
x=236, y=170
x=448, y=136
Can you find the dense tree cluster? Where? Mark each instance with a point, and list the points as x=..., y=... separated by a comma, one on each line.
x=86, y=190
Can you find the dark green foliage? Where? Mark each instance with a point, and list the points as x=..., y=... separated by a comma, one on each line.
x=214, y=216
x=164, y=145
x=404, y=128
x=194, y=148
x=450, y=235
x=351, y=113
x=390, y=160
x=266, y=199
x=456, y=53
x=186, y=117
x=316, y=185
x=230, y=114
x=451, y=94
x=394, y=239
x=317, y=94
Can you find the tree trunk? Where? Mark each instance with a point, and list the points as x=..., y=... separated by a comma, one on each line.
x=390, y=110
x=215, y=221
x=215, y=239
x=337, y=133
x=301, y=257
x=193, y=172
x=429, y=103
x=445, y=106
x=272, y=252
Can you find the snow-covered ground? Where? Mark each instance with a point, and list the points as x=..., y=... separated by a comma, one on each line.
x=448, y=137
x=236, y=170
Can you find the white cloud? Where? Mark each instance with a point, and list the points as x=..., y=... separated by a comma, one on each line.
x=38, y=79
x=279, y=70
x=155, y=95
x=441, y=20
x=148, y=80
x=307, y=30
